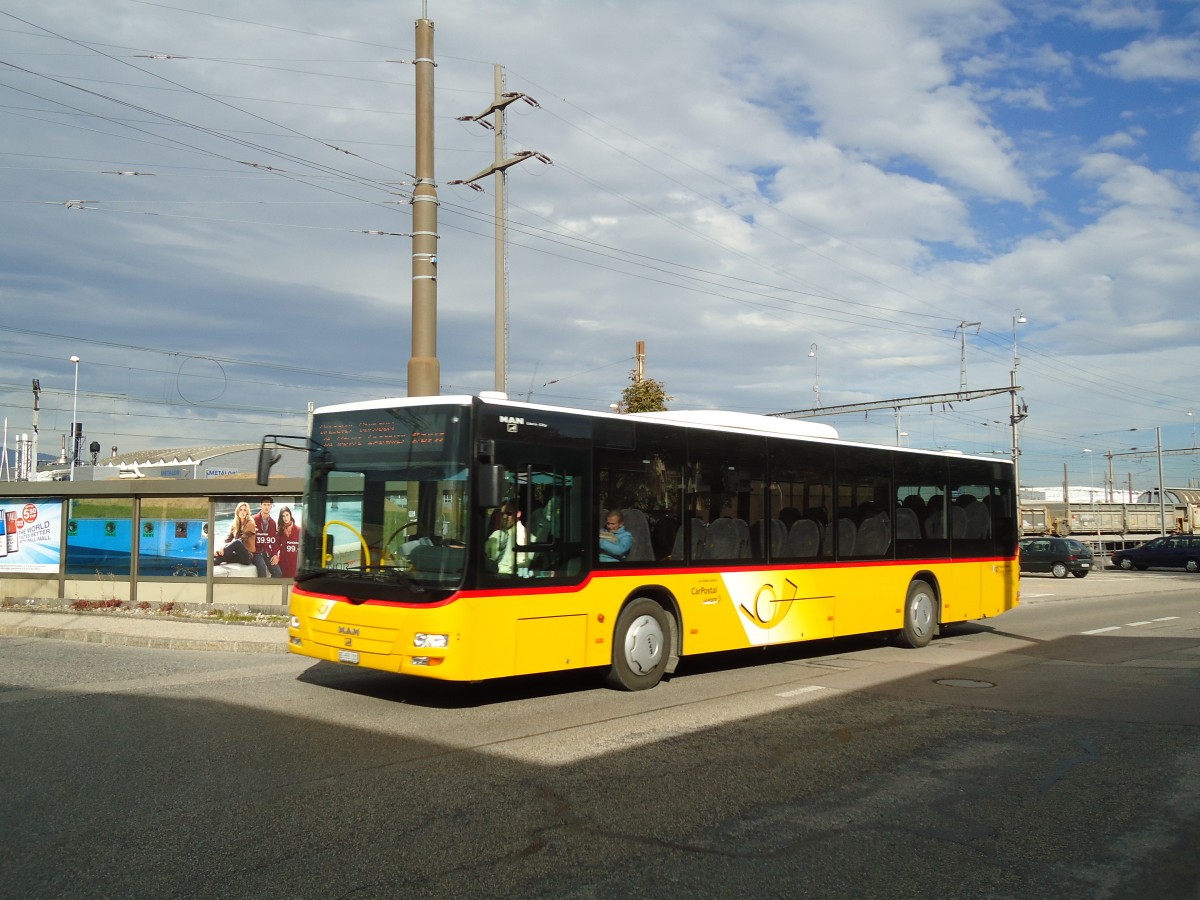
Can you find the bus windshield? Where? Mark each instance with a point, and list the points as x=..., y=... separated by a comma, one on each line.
x=386, y=505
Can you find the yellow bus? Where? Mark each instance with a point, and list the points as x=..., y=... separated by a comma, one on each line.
x=467, y=538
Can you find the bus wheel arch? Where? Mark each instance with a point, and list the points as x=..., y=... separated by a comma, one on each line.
x=645, y=641
x=921, y=618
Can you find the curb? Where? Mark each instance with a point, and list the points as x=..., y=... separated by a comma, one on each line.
x=134, y=640
x=92, y=629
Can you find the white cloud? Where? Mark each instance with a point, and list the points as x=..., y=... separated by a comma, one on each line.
x=1120, y=140
x=731, y=184
x=1176, y=59
x=1125, y=183
x=1113, y=14
x=876, y=78
x=1027, y=98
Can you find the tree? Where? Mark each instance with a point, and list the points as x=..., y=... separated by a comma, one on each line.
x=646, y=395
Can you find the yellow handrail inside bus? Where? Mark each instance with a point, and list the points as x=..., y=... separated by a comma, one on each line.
x=326, y=557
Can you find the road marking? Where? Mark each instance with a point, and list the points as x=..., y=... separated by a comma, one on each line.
x=1130, y=625
x=808, y=689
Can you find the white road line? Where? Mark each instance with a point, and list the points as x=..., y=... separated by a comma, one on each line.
x=807, y=689
x=1136, y=624
x=1102, y=630
x=1167, y=619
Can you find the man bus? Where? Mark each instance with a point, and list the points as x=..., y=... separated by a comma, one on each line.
x=747, y=531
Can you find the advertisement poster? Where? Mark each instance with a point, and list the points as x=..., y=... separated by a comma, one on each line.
x=275, y=525
x=32, y=535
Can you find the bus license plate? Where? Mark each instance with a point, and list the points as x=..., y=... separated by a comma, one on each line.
x=348, y=656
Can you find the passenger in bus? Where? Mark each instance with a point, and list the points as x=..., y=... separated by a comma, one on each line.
x=541, y=523
x=501, y=543
x=615, y=541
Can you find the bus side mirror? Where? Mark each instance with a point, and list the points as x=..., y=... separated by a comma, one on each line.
x=266, y=459
x=267, y=456
x=491, y=479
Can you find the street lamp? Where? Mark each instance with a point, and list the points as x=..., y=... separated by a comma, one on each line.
x=1018, y=319
x=812, y=354
x=74, y=410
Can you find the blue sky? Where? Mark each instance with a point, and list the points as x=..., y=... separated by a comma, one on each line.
x=730, y=184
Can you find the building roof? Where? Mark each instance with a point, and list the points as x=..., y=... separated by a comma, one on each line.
x=176, y=456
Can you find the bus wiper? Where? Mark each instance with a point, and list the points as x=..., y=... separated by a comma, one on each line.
x=380, y=574
x=395, y=574
x=318, y=573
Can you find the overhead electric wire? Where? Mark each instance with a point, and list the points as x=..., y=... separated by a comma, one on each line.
x=1031, y=357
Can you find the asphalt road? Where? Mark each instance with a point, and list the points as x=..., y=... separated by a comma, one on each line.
x=1051, y=752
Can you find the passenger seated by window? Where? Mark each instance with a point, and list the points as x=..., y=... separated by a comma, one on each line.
x=615, y=541
x=501, y=543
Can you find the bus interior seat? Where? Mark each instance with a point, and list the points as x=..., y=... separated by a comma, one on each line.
x=726, y=538
x=777, y=533
x=873, y=538
x=907, y=526
x=698, y=528
x=803, y=540
x=979, y=520
x=935, y=524
x=847, y=531
x=958, y=521
x=636, y=524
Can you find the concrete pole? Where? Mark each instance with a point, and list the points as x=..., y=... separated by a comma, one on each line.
x=424, y=371
x=1012, y=424
x=74, y=414
x=33, y=450
x=1162, y=500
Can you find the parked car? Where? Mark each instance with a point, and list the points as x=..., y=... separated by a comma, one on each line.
x=1058, y=556
x=1176, y=551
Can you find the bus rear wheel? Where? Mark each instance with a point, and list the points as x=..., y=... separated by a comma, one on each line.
x=641, y=646
x=920, y=616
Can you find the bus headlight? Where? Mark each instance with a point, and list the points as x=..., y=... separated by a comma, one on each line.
x=431, y=641
x=294, y=622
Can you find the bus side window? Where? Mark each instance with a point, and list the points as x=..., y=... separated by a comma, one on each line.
x=552, y=510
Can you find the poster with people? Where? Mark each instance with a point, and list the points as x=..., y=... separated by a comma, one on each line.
x=258, y=538
x=31, y=539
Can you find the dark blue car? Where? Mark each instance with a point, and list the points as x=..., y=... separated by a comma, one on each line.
x=1176, y=551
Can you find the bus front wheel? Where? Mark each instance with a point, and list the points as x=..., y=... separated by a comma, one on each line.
x=920, y=616
x=641, y=646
